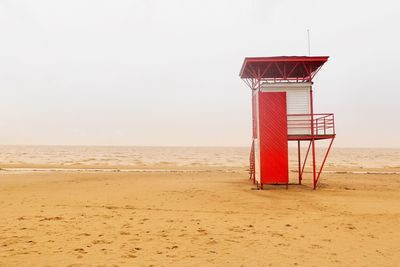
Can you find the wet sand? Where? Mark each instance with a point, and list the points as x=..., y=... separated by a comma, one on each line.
x=196, y=218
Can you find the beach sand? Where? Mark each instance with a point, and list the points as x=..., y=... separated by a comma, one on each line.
x=203, y=217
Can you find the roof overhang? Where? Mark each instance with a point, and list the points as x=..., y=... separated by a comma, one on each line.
x=282, y=68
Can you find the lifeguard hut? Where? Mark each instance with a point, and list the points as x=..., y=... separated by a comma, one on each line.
x=282, y=108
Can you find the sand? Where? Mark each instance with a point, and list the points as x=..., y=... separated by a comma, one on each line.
x=202, y=217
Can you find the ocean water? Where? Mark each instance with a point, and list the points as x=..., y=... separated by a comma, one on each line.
x=137, y=157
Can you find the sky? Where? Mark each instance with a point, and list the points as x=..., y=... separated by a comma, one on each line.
x=154, y=72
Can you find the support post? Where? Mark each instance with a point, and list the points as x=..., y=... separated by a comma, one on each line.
x=258, y=120
x=312, y=136
x=299, y=159
x=313, y=163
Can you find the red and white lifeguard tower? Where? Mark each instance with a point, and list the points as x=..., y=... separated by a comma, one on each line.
x=282, y=107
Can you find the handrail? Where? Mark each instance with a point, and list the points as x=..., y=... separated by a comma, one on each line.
x=323, y=124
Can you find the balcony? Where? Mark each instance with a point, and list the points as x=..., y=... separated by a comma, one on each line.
x=300, y=126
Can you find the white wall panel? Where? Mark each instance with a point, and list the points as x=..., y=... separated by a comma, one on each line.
x=297, y=101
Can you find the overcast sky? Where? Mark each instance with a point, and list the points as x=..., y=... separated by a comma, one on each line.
x=166, y=72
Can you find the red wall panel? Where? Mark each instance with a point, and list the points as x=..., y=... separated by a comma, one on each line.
x=274, y=167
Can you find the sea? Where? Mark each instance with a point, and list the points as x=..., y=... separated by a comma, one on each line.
x=222, y=157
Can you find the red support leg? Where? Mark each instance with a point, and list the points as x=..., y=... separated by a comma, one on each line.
x=323, y=162
x=298, y=154
x=313, y=163
x=305, y=160
x=312, y=132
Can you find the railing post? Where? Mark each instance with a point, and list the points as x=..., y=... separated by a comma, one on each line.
x=324, y=126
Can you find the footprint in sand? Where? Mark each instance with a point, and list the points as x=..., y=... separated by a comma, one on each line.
x=282, y=245
x=56, y=218
x=100, y=241
x=202, y=231
x=126, y=225
x=315, y=246
x=143, y=220
x=371, y=236
x=276, y=234
x=212, y=242
x=350, y=226
x=236, y=229
x=84, y=234
x=80, y=250
x=129, y=255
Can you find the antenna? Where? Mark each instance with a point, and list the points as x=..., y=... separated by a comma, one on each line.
x=309, y=46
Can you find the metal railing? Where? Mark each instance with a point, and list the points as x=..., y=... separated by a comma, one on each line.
x=323, y=124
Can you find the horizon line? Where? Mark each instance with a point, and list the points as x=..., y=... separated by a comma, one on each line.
x=176, y=146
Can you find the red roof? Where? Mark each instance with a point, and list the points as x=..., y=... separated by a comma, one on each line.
x=284, y=67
